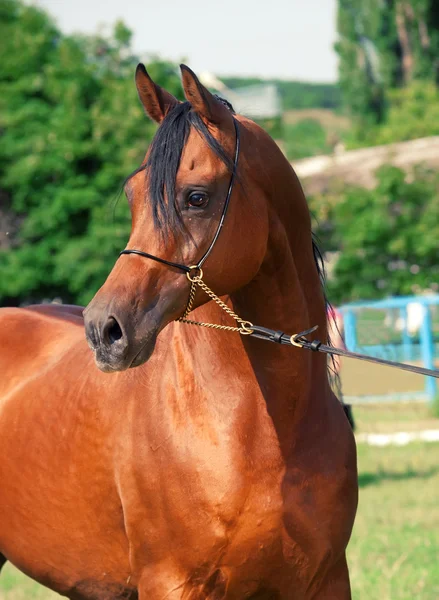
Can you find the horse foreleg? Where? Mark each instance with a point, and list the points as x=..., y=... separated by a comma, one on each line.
x=336, y=585
x=172, y=587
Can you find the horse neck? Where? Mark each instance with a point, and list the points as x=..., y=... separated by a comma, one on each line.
x=287, y=295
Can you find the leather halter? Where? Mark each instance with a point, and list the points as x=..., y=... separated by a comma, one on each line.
x=220, y=224
x=245, y=327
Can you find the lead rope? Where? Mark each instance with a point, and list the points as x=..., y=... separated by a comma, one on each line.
x=197, y=281
x=299, y=339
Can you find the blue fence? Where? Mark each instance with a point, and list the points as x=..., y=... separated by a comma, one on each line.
x=402, y=328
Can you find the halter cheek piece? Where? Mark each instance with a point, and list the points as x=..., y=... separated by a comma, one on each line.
x=202, y=260
x=194, y=273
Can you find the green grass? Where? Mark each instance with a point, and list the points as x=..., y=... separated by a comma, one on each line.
x=387, y=418
x=395, y=544
x=16, y=586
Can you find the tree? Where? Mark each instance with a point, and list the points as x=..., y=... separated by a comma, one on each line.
x=384, y=45
x=305, y=138
x=71, y=131
x=360, y=68
x=386, y=238
x=413, y=112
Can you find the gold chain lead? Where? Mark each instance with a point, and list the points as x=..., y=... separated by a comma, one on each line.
x=197, y=281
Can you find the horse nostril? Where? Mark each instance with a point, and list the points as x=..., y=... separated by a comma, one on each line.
x=112, y=331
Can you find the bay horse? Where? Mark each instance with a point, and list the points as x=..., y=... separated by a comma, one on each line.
x=176, y=461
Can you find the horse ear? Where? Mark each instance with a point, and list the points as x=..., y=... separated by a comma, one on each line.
x=201, y=100
x=156, y=101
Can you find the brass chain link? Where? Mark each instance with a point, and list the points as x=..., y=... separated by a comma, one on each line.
x=197, y=281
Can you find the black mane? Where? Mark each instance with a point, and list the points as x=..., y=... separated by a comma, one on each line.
x=164, y=160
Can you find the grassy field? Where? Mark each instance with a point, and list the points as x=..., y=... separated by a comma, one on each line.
x=367, y=379
x=16, y=586
x=388, y=418
x=393, y=554
x=394, y=549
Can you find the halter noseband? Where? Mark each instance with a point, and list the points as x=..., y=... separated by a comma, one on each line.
x=200, y=263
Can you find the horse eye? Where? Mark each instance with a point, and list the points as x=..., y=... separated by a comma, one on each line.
x=198, y=199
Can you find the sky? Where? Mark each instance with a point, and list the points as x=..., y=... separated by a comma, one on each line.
x=290, y=39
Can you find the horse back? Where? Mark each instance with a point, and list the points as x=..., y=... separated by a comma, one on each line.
x=35, y=338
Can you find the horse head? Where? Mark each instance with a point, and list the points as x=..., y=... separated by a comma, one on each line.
x=178, y=199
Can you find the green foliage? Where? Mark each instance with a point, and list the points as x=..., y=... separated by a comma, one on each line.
x=305, y=138
x=295, y=94
x=413, y=113
x=71, y=130
x=360, y=64
x=384, y=48
x=386, y=237
x=274, y=126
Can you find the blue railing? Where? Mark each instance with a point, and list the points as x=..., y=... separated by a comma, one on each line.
x=423, y=349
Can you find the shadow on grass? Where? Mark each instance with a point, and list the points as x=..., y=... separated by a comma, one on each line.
x=365, y=479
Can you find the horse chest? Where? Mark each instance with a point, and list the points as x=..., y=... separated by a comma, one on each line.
x=211, y=496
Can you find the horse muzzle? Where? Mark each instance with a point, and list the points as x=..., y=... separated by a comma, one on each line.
x=116, y=345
